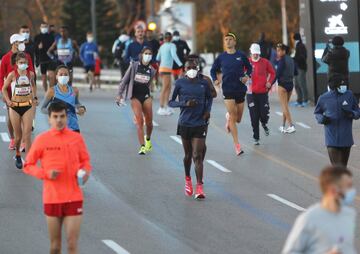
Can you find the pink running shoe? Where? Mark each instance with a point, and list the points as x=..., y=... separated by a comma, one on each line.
x=199, y=192
x=227, y=124
x=188, y=186
x=238, y=149
x=12, y=144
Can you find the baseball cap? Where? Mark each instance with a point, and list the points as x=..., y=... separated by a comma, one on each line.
x=176, y=33
x=255, y=49
x=16, y=37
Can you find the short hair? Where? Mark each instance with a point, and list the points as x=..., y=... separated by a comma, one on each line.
x=61, y=67
x=24, y=27
x=64, y=27
x=331, y=175
x=89, y=32
x=192, y=60
x=231, y=35
x=282, y=46
x=57, y=107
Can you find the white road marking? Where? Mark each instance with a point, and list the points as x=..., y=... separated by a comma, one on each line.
x=155, y=124
x=303, y=125
x=286, y=202
x=176, y=139
x=218, y=166
x=2, y=119
x=115, y=247
x=5, y=137
x=279, y=113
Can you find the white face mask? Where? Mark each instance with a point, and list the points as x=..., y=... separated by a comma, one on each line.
x=192, y=73
x=21, y=47
x=63, y=80
x=22, y=67
x=146, y=58
x=26, y=35
x=349, y=197
x=90, y=39
x=44, y=30
x=342, y=89
x=176, y=38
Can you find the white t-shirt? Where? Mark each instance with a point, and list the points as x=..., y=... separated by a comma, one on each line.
x=317, y=231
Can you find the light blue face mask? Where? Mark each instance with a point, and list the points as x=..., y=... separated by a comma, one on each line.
x=342, y=89
x=349, y=197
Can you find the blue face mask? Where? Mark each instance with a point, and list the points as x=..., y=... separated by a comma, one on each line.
x=349, y=197
x=342, y=89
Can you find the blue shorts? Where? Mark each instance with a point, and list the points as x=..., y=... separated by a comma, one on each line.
x=287, y=86
x=239, y=97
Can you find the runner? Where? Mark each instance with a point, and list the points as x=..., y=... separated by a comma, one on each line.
x=64, y=159
x=97, y=72
x=88, y=54
x=195, y=101
x=29, y=44
x=285, y=69
x=65, y=50
x=154, y=45
x=166, y=56
x=17, y=45
x=119, y=49
x=136, y=86
x=182, y=50
x=134, y=49
x=43, y=42
x=21, y=111
x=67, y=94
x=263, y=75
x=236, y=70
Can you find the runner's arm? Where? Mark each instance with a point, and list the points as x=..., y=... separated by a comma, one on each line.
x=33, y=86
x=248, y=66
x=47, y=99
x=81, y=55
x=7, y=83
x=271, y=71
x=209, y=100
x=211, y=86
x=215, y=68
x=299, y=237
x=125, y=80
x=84, y=156
x=173, y=103
x=32, y=158
x=319, y=112
x=76, y=47
x=77, y=101
x=355, y=109
x=175, y=56
x=50, y=51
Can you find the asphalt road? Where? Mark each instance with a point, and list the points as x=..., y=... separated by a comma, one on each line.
x=135, y=204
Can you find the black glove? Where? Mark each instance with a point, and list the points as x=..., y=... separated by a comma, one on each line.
x=191, y=103
x=326, y=120
x=348, y=113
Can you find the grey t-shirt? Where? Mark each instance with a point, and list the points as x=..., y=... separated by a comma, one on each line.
x=317, y=231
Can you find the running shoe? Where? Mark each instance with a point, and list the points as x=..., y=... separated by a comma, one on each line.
x=22, y=148
x=12, y=144
x=266, y=130
x=188, y=186
x=238, y=149
x=295, y=104
x=170, y=110
x=256, y=142
x=282, y=129
x=227, y=124
x=290, y=129
x=33, y=125
x=142, y=150
x=18, y=162
x=162, y=112
x=199, y=194
x=304, y=104
x=148, y=145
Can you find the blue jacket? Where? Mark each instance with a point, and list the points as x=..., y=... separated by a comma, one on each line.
x=233, y=68
x=133, y=51
x=167, y=55
x=333, y=105
x=187, y=90
x=87, y=53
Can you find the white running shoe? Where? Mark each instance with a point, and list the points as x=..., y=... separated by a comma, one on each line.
x=170, y=110
x=282, y=129
x=161, y=112
x=290, y=129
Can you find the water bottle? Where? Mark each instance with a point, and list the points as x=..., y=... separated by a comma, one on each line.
x=80, y=176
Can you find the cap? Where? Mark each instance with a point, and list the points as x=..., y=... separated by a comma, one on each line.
x=336, y=80
x=255, y=49
x=16, y=37
x=231, y=35
x=297, y=37
x=176, y=33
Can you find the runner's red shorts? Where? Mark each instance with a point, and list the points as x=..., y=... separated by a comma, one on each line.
x=64, y=209
x=177, y=72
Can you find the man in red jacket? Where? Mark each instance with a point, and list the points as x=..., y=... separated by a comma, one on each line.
x=17, y=44
x=263, y=75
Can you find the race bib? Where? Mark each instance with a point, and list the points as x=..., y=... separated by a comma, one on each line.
x=22, y=91
x=63, y=52
x=141, y=78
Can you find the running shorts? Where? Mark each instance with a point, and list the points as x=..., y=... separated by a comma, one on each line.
x=89, y=68
x=64, y=209
x=239, y=97
x=44, y=67
x=177, y=72
x=287, y=86
x=192, y=132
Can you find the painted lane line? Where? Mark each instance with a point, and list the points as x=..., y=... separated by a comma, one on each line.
x=2, y=119
x=218, y=166
x=303, y=125
x=176, y=139
x=286, y=202
x=279, y=113
x=115, y=247
x=5, y=137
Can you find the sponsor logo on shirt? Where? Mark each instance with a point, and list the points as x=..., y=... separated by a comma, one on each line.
x=53, y=148
x=345, y=103
x=238, y=58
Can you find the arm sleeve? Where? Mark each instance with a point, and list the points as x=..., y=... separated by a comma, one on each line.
x=298, y=238
x=355, y=108
x=280, y=68
x=84, y=156
x=209, y=99
x=173, y=103
x=81, y=55
x=114, y=46
x=125, y=80
x=32, y=158
x=2, y=72
x=175, y=56
x=215, y=68
x=326, y=55
x=247, y=66
x=270, y=70
x=319, y=112
x=45, y=103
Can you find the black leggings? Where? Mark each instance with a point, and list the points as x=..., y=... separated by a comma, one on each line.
x=339, y=155
x=195, y=150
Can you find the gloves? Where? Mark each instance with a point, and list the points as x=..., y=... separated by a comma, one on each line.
x=326, y=120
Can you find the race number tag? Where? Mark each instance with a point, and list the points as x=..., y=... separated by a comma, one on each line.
x=141, y=78
x=22, y=91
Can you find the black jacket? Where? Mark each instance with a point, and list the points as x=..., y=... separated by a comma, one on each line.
x=41, y=54
x=338, y=60
x=182, y=50
x=300, y=56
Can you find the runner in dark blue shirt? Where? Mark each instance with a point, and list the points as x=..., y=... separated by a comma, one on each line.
x=236, y=70
x=195, y=101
